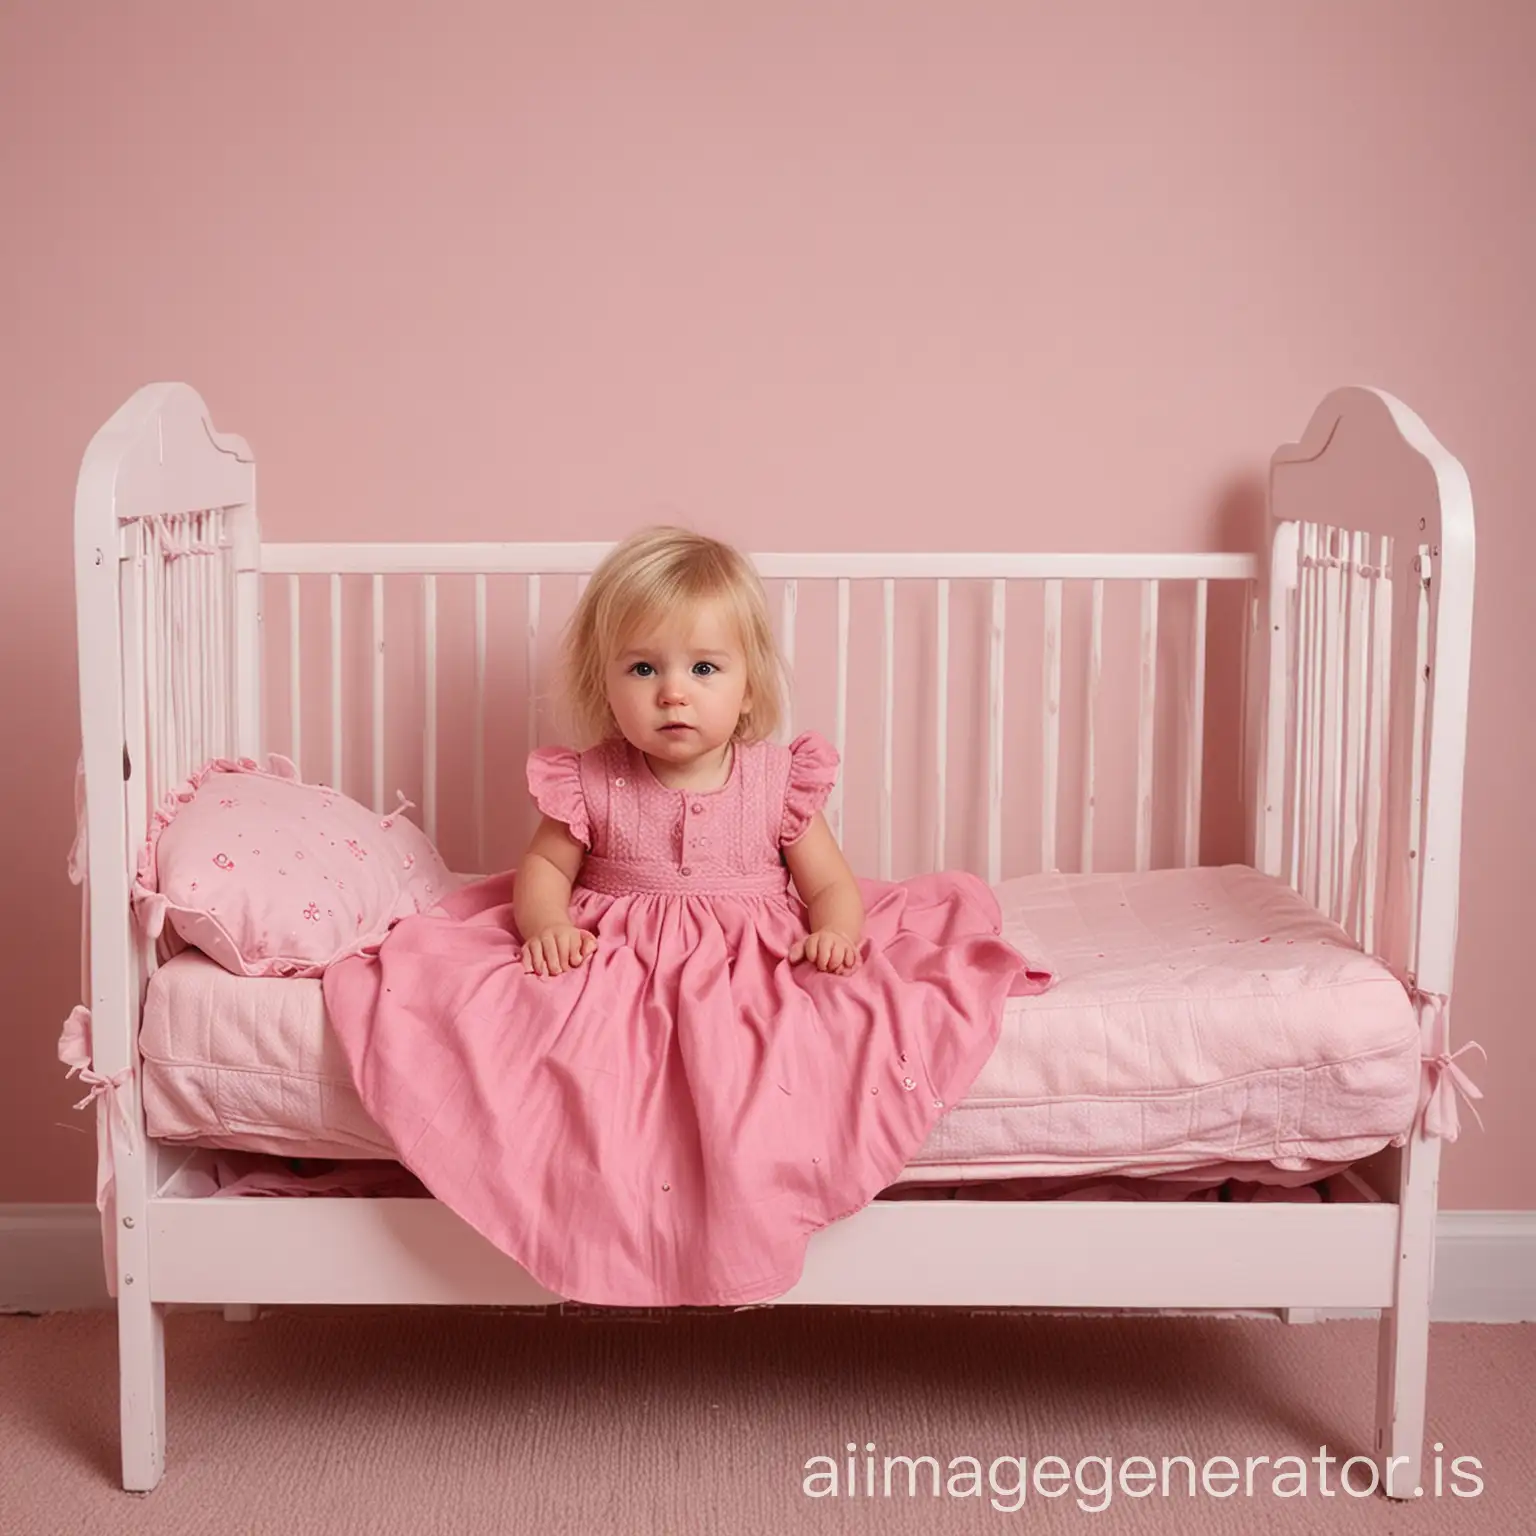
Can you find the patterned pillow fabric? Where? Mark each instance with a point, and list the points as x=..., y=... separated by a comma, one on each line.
x=270, y=876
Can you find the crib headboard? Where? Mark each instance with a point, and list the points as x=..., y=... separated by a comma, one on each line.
x=1369, y=655
x=166, y=563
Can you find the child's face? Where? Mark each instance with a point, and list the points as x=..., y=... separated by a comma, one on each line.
x=678, y=688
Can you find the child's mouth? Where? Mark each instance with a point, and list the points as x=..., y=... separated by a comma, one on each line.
x=676, y=725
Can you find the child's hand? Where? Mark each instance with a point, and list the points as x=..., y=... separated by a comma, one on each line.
x=557, y=949
x=827, y=950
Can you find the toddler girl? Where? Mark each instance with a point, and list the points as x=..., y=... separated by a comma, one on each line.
x=682, y=1036
x=671, y=664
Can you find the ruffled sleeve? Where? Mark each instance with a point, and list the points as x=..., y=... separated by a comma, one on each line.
x=554, y=781
x=813, y=764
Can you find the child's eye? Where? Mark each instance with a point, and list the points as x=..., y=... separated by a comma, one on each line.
x=704, y=668
x=642, y=669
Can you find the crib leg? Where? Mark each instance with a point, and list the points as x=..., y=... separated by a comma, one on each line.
x=141, y=1372
x=1402, y=1350
x=240, y=1312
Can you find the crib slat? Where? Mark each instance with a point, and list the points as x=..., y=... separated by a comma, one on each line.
x=995, y=734
x=887, y=727
x=179, y=649
x=198, y=637
x=1302, y=685
x=165, y=625
x=1319, y=696
x=1275, y=727
x=173, y=648
x=1346, y=896
x=840, y=726
x=231, y=650
x=1317, y=706
x=207, y=655
x=207, y=572
x=192, y=692
x=1051, y=735
x=1419, y=575
x=213, y=620
x=531, y=653
x=295, y=674
x=941, y=725
x=168, y=664
x=1243, y=696
x=1349, y=735
x=1095, y=674
x=1306, y=860
x=248, y=727
x=1146, y=723
x=336, y=764
x=378, y=694
x=236, y=658
x=138, y=628
x=1330, y=756
x=219, y=649
x=787, y=648
x=429, y=732
x=149, y=558
x=1363, y=785
x=224, y=692
x=479, y=726
x=184, y=649
x=1377, y=672
x=1194, y=778
x=197, y=633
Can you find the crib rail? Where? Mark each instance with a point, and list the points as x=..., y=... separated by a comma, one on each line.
x=891, y=682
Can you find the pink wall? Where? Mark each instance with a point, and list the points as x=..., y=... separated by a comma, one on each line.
x=968, y=275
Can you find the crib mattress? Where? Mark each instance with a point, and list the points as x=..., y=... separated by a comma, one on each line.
x=1203, y=1020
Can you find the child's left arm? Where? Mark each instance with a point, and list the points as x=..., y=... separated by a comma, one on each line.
x=831, y=894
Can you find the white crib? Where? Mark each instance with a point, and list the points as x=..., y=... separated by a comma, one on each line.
x=1361, y=630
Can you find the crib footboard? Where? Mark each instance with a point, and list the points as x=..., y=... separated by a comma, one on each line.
x=1369, y=658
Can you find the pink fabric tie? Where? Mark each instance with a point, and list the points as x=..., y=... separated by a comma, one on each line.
x=74, y=1052
x=178, y=543
x=1443, y=1079
x=400, y=810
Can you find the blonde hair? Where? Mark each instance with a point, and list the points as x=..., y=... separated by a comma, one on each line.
x=655, y=573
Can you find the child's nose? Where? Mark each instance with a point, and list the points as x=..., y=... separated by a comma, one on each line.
x=673, y=689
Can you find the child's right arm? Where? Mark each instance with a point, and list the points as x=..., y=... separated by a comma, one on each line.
x=541, y=901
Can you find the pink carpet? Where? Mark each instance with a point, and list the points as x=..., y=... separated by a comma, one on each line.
x=421, y=1422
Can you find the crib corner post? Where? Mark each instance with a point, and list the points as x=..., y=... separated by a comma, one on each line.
x=141, y=1370
x=1402, y=1351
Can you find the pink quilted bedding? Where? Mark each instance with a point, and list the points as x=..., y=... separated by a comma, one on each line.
x=1201, y=1017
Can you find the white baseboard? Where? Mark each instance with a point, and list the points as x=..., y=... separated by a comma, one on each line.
x=1485, y=1264
x=1485, y=1267
x=50, y=1259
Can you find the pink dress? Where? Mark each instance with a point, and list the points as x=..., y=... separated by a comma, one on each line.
x=668, y=1123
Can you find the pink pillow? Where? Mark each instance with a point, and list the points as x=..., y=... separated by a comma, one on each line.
x=270, y=876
